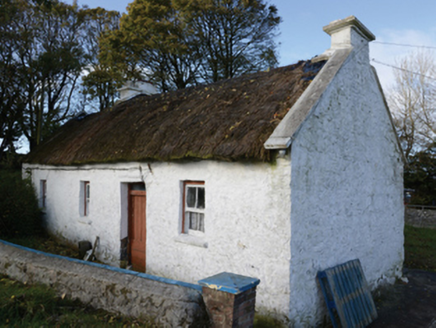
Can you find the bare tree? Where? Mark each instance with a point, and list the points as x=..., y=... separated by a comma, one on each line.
x=413, y=101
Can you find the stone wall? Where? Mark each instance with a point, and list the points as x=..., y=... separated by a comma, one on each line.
x=171, y=303
x=421, y=216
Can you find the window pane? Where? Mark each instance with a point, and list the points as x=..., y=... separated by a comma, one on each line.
x=201, y=222
x=201, y=196
x=190, y=197
x=137, y=186
x=193, y=221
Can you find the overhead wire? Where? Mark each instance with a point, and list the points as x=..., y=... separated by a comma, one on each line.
x=400, y=68
x=404, y=45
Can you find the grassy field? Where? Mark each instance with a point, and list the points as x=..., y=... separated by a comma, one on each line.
x=22, y=305
x=420, y=248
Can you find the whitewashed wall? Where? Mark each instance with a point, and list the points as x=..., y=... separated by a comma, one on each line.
x=346, y=188
x=247, y=226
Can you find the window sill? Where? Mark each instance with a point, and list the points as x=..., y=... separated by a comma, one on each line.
x=191, y=240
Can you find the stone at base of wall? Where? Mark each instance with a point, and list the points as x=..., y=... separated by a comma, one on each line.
x=121, y=291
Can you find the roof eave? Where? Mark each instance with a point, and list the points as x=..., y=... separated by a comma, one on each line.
x=285, y=132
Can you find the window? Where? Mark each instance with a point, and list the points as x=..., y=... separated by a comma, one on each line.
x=84, y=198
x=194, y=201
x=42, y=192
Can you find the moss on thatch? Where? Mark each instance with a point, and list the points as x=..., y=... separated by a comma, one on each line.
x=228, y=120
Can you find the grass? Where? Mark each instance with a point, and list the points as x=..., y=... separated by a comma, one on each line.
x=22, y=305
x=264, y=321
x=420, y=248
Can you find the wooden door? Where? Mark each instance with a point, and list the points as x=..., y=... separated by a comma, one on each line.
x=137, y=227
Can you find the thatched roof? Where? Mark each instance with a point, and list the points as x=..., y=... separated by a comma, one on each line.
x=228, y=120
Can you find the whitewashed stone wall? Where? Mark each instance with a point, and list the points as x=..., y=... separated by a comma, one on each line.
x=346, y=189
x=247, y=226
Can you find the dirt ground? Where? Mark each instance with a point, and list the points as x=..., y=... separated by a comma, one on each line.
x=408, y=305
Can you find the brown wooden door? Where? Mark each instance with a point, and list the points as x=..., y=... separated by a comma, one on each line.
x=137, y=227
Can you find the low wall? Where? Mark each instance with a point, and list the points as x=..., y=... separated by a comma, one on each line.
x=169, y=302
x=421, y=216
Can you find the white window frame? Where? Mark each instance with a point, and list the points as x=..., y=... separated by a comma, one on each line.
x=187, y=209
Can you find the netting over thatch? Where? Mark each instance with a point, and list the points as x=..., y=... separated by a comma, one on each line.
x=228, y=120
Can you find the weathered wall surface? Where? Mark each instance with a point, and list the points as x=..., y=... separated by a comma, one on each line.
x=131, y=294
x=346, y=188
x=247, y=226
x=421, y=217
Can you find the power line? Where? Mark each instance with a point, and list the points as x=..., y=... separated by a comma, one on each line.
x=404, y=45
x=402, y=69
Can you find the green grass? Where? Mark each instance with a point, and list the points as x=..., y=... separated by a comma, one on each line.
x=264, y=321
x=420, y=248
x=22, y=305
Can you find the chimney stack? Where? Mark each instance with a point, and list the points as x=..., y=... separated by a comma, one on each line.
x=348, y=32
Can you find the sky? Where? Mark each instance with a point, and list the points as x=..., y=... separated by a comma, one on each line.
x=301, y=36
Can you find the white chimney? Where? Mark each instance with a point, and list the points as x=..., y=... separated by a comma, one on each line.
x=134, y=88
x=348, y=32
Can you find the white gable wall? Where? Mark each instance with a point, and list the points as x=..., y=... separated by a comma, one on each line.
x=247, y=226
x=346, y=188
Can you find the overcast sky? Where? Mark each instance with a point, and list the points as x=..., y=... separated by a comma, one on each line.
x=301, y=35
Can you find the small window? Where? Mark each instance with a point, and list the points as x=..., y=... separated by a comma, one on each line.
x=84, y=198
x=42, y=192
x=194, y=201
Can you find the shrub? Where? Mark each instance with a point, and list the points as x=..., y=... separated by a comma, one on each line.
x=19, y=212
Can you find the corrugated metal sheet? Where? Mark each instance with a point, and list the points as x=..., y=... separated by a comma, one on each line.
x=347, y=295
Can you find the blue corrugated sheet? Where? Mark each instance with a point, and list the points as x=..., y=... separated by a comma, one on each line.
x=347, y=295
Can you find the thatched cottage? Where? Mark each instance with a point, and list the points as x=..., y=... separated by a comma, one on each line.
x=274, y=175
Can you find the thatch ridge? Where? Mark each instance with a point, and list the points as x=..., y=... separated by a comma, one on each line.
x=228, y=120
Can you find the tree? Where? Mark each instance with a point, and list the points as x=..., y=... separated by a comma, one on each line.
x=46, y=45
x=11, y=97
x=42, y=61
x=413, y=102
x=178, y=43
x=54, y=59
x=420, y=176
x=104, y=76
x=155, y=43
x=236, y=36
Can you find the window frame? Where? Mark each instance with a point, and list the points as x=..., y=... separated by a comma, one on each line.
x=185, y=224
